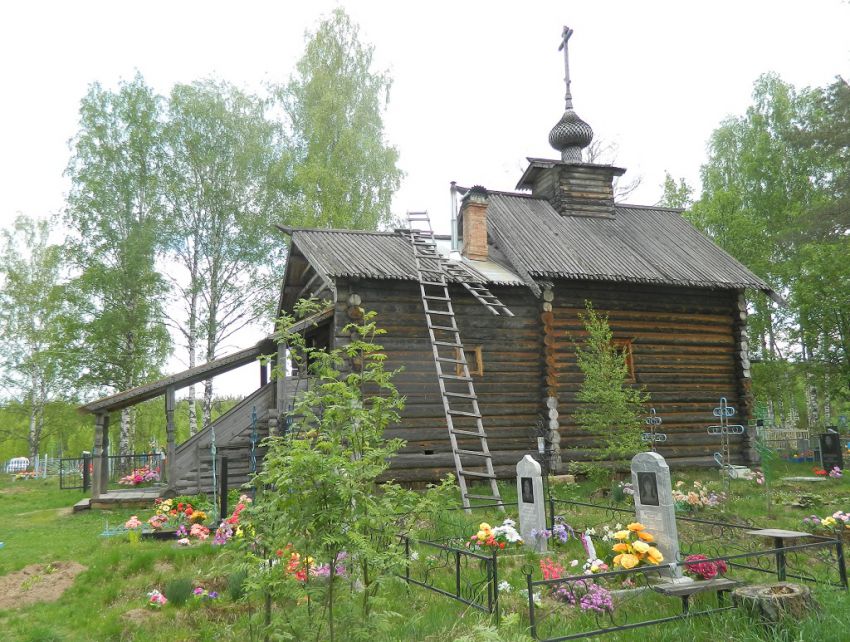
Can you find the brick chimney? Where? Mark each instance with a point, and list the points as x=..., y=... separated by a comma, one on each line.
x=473, y=219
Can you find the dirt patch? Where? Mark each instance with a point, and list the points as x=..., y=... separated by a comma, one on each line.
x=138, y=616
x=163, y=567
x=37, y=583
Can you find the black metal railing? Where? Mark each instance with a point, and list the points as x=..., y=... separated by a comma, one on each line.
x=473, y=579
x=78, y=472
x=75, y=473
x=602, y=609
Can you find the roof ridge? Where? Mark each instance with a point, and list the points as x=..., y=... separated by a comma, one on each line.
x=340, y=230
x=655, y=208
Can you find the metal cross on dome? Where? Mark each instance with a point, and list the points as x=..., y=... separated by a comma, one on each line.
x=723, y=430
x=653, y=436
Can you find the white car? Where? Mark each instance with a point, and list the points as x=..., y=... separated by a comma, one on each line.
x=17, y=465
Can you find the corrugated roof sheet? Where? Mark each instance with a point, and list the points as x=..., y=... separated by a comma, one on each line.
x=380, y=255
x=640, y=245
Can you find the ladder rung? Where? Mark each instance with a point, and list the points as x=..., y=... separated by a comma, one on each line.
x=442, y=327
x=456, y=377
x=467, y=433
x=470, y=473
x=447, y=359
x=436, y=298
x=463, y=413
x=471, y=453
x=446, y=343
x=460, y=394
x=440, y=283
x=443, y=312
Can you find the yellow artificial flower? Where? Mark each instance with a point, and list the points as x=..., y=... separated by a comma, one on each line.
x=484, y=526
x=620, y=547
x=641, y=547
x=636, y=527
x=646, y=536
x=621, y=535
x=627, y=560
x=828, y=521
x=654, y=555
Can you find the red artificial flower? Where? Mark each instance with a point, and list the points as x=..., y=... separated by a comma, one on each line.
x=189, y=511
x=501, y=545
x=280, y=552
x=180, y=506
x=173, y=511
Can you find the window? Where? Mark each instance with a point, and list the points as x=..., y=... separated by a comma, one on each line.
x=624, y=347
x=473, y=361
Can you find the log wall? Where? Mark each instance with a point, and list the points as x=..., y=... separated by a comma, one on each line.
x=509, y=390
x=685, y=347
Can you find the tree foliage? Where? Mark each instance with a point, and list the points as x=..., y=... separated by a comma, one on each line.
x=220, y=194
x=37, y=324
x=340, y=170
x=319, y=493
x=775, y=196
x=609, y=409
x=115, y=213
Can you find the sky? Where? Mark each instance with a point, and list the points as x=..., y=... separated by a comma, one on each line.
x=476, y=85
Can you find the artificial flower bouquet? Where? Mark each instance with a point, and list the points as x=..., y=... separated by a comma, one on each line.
x=134, y=529
x=498, y=538
x=696, y=566
x=143, y=475
x=699, y=496
x=634, y=547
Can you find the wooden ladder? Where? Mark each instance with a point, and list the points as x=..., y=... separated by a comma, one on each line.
x=460, y=403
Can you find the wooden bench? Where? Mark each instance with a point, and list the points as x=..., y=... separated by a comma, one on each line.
x=719, y=585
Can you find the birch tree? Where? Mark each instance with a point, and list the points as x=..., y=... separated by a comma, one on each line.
x=220, y=194
x=115, y=214
x=36, y=323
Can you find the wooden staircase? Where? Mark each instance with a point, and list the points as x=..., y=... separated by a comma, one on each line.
x=232, y=439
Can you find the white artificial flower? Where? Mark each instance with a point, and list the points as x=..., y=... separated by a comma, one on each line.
x=574, y=563
x=618, y=526
x=414, y=555
x=505, y=586
x=590, y=531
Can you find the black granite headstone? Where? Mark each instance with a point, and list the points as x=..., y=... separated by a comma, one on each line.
x=830, y=450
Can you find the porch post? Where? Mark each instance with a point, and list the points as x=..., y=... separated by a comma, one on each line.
x=264, y=374
x=104, y=456
x=280, y=384
x=97, y=460
x=171, y=447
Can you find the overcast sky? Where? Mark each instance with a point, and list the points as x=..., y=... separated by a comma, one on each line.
x=477, y=85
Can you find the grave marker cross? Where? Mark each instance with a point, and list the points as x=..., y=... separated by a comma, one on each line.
x=723, y=430
x=653, y=436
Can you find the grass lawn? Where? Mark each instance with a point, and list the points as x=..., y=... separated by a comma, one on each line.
x=107, y=600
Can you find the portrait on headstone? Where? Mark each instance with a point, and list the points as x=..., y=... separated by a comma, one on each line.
x=647, y=488
x=527, y=490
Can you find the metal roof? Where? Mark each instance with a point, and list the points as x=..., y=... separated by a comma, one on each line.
x=382, y=255
x=533, y=241
x=639, y=245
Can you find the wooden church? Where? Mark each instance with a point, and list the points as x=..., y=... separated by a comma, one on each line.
x=483, y=323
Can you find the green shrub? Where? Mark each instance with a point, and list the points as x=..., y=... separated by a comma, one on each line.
x=236, y=585
x=178, y=591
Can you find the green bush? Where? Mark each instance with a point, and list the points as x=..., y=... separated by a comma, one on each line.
x=236, y=585
x=178, y=591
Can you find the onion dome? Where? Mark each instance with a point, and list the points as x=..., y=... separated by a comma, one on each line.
x=570, y=135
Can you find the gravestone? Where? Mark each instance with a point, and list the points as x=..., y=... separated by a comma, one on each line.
x=830, y=451
x=532, y=507
x=655, y=508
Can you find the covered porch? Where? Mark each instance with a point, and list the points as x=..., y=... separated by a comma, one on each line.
x=270, y=398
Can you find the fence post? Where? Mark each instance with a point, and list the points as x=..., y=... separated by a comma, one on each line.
x=842, y=565
x=222, y=495
x=531, y=619
x=457, y=573
x=86, y=474
x=407, y=559
x=551, y=512
x=495, y=580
